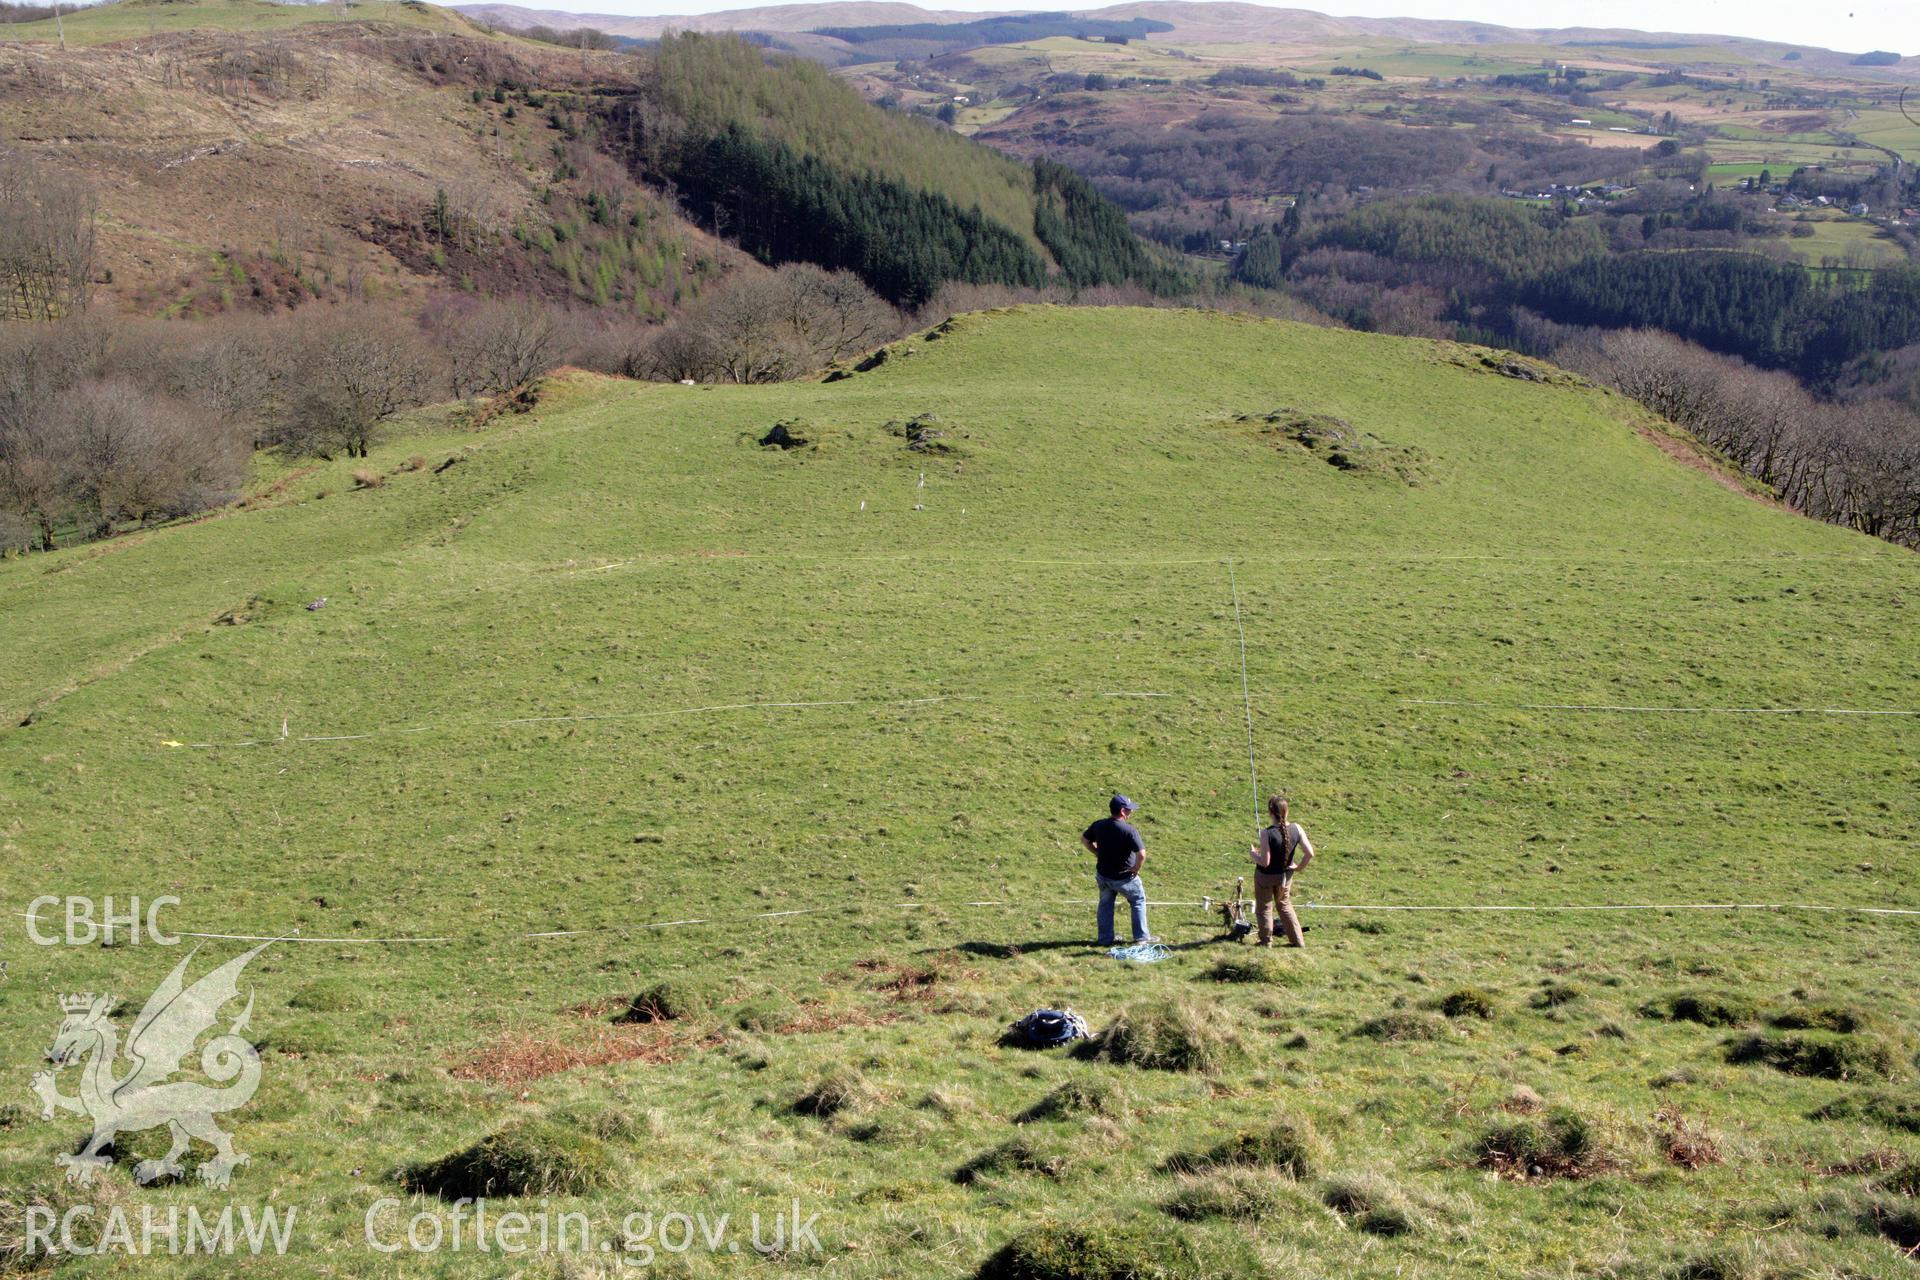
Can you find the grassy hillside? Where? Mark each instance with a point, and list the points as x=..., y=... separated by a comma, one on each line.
x=133, y=19
x=263, y=170
x=621, y=666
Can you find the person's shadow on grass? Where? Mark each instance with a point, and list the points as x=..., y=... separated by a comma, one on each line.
x=1008, y=950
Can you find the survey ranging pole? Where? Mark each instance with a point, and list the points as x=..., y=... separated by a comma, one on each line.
x=1246, y=694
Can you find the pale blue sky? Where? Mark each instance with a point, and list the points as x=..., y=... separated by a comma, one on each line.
x=1852, y=25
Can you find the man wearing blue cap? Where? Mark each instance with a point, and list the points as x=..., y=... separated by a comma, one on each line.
x=1118, y=853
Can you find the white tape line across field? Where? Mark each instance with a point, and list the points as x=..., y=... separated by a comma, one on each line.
x=1627, y=709
x=1536, y=908
x=721, y=708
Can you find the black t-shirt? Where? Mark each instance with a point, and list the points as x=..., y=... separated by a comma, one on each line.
x=1117, y=842
x=1279, y=844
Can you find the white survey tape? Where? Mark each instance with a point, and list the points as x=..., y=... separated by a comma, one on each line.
x=1540, y=908
x=1628, y=709
x=721, y=708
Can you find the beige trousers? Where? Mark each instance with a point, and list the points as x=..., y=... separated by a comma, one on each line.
x=1269, y=893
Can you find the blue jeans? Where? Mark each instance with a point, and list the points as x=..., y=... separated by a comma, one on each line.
x=1136, y=895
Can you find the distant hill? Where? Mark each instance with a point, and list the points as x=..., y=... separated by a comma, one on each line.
x=785, y=18
x=1193, y=21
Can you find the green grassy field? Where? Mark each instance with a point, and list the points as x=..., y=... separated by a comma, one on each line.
x=1895, y=130
x=621, y=666
x=1847, y=241
x=131, y=19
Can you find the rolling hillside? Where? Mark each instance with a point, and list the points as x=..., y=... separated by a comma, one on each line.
x=244, y=169
x=261, y=168
x=787, y=749
x=1204, y=22
x=787, y=18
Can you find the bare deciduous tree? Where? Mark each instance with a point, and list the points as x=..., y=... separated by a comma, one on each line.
x=353, y=370
x=493, y=347
x=46, y=239
x=132, y=455
x=83, y=442
x=744, y=331
x=1852, y=464
x=833, y=314
x=770, y=327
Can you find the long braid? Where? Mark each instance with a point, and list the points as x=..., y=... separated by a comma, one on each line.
x=1277, y=810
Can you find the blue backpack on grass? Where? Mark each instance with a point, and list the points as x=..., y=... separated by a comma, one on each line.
x=1049, y=1028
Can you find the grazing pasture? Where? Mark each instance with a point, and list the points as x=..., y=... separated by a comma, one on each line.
x=729, y=796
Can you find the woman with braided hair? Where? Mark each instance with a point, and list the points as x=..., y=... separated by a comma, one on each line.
x=1283, y=848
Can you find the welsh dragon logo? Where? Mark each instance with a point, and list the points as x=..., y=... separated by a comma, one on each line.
x=145, y=1095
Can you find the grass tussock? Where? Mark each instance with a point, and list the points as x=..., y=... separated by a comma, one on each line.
x=1136, y=1249
x=1373, y=1205
x=1020, y=1155
x=1750, y=1259
x=303, y=1037
x=665, y=1002
x=1898, y=1221
x=329, y=995
x=1903, y=1181
x=1400, y=1026
x=365, y=479
x=1707, y=1008
x=1167, y=1035
x=1085, y=1096
x=1840, y=1019
x=1253, y=967
x=22, y=1256
x=1823, y=1055
x=531, y=1158
x=1893, y=1110
x=1236, y=1195
x=1290, y=1147
x=1468, y=1002
x=837, y=1091
x=1564, y=1143
x=1555, y=995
